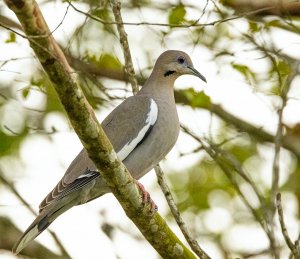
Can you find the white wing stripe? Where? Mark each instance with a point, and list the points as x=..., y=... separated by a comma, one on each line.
x=150, y=121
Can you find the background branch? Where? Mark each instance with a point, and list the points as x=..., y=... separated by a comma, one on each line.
x=293, y=247
x=116, y=6
x=176, y=213
x=92, y=136
x=129, y=69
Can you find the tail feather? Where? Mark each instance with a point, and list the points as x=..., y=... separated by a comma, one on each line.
x=36, y=228
x=49, y=213
x=43, y=220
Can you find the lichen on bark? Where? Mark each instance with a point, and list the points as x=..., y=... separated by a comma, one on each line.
x=89, y=131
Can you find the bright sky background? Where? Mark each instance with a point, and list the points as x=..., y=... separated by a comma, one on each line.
x=43, y=160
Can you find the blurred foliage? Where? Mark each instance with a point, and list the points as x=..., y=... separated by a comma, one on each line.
x=177, y=14
x=193, y=187
x=195, y=99
x=244, y=46
x=10, y=144
x=246, y=72
x=105, y=60
x=12, y=38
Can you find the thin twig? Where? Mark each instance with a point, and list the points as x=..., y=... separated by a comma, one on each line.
x=285, y=86
x=227, y=165
x=167, y=192
x=129, y=69
x=192, y=24
x=31, y=38
x=282, y=223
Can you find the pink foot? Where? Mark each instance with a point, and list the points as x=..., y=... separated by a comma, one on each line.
x=147, y=198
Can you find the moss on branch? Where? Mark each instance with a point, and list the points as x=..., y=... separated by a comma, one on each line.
x=92, y=136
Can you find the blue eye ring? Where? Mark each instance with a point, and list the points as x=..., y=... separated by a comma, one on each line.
x=180, y=60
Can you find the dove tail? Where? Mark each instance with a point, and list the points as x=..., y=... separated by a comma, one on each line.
x=43, y=220
x=36, y=228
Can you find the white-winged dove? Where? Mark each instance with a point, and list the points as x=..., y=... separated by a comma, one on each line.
x=142, y=130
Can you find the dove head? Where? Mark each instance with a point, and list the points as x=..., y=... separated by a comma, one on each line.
x=173, y=63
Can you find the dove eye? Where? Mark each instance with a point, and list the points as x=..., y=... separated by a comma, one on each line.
x=180, y=60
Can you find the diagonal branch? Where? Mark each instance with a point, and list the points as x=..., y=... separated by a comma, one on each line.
x=129, y=70
x=284, y=231
x=92, y=136
x=228, y=165
x=176, y=214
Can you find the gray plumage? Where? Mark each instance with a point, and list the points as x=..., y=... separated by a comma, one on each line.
x=142, y=130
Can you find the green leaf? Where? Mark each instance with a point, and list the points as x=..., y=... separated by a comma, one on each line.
x=39, y=82
x=53, y=103
x=273, y=23
x=105, y=15
x=25, y=92
x=106, y=61
x=110, y=61
x=11, y=144
x=196, y=184
x=243, y=69
x=254, y=27
x=201, y=100
x=283, y=68
x=196, y=99
x=177, y=14
x=249, y=75
x=101, y=13
x=292, y=185
x=243, y=152
x=11, y=38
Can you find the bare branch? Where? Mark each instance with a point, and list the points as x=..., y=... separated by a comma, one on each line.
x=168, y=195
x=91, y=134
x=191, y=24
x=227, y=164
x=129, y=69
x=282, y=223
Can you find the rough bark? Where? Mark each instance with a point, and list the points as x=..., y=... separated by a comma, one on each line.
x=92, y=136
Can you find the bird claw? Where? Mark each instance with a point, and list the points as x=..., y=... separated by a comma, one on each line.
x=146, y=198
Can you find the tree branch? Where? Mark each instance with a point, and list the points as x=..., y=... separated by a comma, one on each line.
x=92, y=136
x=176, y=214
x=228, y=165
x=129, y=70
x=294, y=249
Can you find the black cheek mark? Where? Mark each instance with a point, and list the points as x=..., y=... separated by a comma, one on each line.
x=170, y=72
